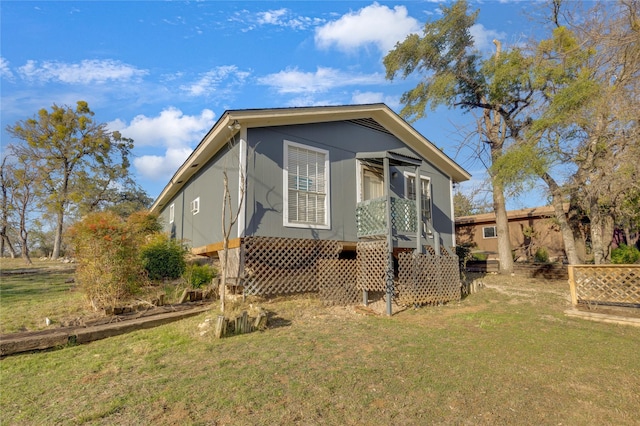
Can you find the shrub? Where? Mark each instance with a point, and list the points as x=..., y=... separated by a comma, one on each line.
x=106, y=251
x=541, y=256
x=480, y=256
x=198, y=275
x=163, y=257
x=625, y=254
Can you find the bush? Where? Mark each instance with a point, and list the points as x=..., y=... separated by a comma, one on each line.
x=480, y=256
x=106, y=250
x=541, y=256
x=625, y=254
x=163, y=257
x=198, y=275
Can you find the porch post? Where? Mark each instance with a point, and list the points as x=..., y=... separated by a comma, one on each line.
x=418, y=183
x=389, y=269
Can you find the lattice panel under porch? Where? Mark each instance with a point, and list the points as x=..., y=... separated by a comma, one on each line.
x=372, y=265
x=337, y=281
x=609, y=283
x=284, y=265
x=426, y=278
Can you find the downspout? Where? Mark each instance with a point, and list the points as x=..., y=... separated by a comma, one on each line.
x=389, y=269
x=242, y=180
x=418, y=188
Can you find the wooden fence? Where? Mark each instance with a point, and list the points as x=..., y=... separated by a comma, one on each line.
x=605, y=284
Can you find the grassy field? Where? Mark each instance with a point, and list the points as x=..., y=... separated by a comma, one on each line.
x=506, y=355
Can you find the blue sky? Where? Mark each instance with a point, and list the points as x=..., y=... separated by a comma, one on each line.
x=163, y=72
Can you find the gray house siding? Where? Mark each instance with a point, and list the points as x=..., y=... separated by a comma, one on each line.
x=343, y=140
x=205, y=227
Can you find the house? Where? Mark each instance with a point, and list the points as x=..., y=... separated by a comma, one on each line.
x=529, y=229
x=334, y=174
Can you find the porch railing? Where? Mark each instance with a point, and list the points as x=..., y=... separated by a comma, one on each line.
x=370, y=217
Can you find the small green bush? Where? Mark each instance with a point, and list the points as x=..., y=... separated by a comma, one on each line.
x=625, y=254
x=198, y=275
x=541, y=256
x=163, y=257
x=480, y=256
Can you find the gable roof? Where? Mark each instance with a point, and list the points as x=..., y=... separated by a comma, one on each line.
x=376, y=116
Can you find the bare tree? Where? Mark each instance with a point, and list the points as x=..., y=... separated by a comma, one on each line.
x=5, y=206
x=231, y=213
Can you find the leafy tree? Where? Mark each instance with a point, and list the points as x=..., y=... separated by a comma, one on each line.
x=466, y=205
x=79, y=160
x=583, y=144
x=456, y=76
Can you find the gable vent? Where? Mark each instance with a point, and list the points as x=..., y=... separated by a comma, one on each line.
x=370, y=123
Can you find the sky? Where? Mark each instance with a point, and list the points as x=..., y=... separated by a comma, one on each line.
x=163, y=72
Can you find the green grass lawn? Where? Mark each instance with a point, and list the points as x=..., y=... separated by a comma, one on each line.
x=506, y=355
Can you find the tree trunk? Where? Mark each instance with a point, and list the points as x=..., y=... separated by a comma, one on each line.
x=502, y=227
x=57, y=241
x=601, y=234
x=565, y=229
x=6, y=243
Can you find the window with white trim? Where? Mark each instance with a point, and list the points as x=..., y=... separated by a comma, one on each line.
x=489, y=232
x=306, y=186
x=195, y=206
x=425, y=193
x=172, y=212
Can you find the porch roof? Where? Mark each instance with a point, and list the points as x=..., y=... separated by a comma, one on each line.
x=395, y=158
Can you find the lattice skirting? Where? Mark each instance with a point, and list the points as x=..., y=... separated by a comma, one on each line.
x=373, y=258
x=337, y=281
x=427, y=278
x=284, y=265
x=276, y=266
x=619, y=284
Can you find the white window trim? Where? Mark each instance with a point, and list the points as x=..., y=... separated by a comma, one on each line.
x=195, y=206
x=488, y=238
x=408, y=175
x=285, y=187
x=172, y=212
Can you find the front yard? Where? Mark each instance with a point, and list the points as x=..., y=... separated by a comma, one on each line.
x=506, y=355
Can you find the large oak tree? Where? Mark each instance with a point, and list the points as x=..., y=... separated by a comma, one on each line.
x=455, y=75
x=78, y=159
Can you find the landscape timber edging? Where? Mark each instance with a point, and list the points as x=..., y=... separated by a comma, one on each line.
x=11, y=344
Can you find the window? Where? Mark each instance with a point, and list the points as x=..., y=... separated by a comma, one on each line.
x=425, y=193
x=306, y=186
x=489, y=232
x=172, y=213
x=195, y=206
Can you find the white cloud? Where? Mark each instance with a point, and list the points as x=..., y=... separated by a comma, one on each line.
x=323, y=80
x=211, y=81
x=373, y=25
x=171, y=129
x=367, y=97
x=483, y=38
x=157, y=168
x=84, y=72
x=285, y=18
x=5, y=71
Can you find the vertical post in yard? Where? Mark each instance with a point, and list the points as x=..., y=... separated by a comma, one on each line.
x=389, y=269
x=572, y=286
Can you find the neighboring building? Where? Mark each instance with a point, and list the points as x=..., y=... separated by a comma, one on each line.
x=529, y=229
x=322, y=183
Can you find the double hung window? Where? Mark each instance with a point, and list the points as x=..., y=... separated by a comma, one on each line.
x=306, y=186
